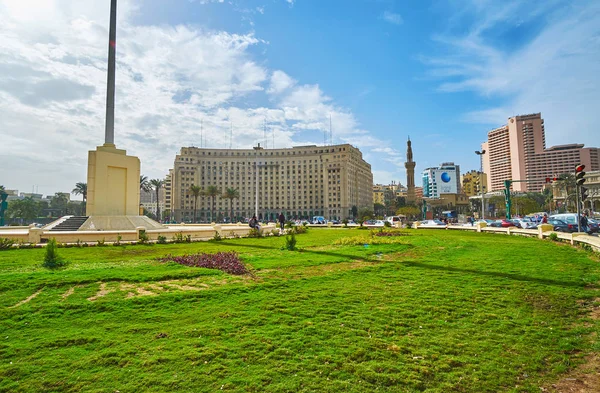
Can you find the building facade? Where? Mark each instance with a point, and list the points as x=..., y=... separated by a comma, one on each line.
x=517, y=151
x=444, y=179
x=471, y=183
x=301, y=182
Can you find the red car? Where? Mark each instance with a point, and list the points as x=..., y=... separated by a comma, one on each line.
x=504, y=223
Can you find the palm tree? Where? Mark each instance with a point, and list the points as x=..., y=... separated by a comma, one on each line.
x=196, y=191
x=231, y=194
x=212, y=191
x=157, y=184
x=144, y=184
x=81, y=189
x=2, y=189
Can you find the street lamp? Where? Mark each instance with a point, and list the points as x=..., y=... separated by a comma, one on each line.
x=480, y=154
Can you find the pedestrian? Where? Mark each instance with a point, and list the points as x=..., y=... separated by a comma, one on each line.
x=584, y=223
x=281, y=220
x=254, y=223
x=545, y=219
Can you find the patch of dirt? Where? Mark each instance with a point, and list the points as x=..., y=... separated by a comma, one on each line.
x=26, y=300
x=143, y=292
x=584, y=379
x=68, y=293
x=101, y=292
x=595, y=313
x=184, y=287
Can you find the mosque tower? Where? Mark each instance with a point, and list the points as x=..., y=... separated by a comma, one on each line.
x=410, y=175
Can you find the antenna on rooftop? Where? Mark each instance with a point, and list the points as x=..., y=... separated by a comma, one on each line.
x=265, y=131
x=330, y=131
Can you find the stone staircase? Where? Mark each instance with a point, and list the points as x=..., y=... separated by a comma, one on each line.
x=71, y=224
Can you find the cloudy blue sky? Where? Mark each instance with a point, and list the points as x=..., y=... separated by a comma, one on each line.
x=443, y=72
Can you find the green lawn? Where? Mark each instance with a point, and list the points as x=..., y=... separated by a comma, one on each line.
x=434, y=311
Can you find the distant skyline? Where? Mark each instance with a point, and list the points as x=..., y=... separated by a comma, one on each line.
x=443, y=72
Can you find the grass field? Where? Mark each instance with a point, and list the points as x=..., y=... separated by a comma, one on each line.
x=434, y=311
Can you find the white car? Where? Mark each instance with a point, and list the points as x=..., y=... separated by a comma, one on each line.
x=432, y=223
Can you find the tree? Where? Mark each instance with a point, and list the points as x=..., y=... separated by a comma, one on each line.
x=145, y=184
x=354, y=211
x=23, y=209
x=59, y=202
x=212, y=191
x=364, y=214
x=400, y=202
x=410, y=212
x=566, y=182
x=379, y=209
x=231, y=194
x=196, y=191
x=80, y=189
x=2, y=189
x=157, y=184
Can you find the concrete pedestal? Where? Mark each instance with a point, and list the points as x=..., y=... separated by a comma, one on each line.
x=113, y=182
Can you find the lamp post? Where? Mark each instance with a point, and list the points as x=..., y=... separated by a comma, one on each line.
x=480, y=154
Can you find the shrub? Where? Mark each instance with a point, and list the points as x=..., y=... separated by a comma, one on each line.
x=99, y=243
x=301, y=229
x=229, y=262
x=254, y=233
x=290, y=241
x=217, y=236
x=6, y=243
x=289, y=225
x=143, y=237
x=52, y=260
x=178, y=238
x=553, y=236
x=275, y=232
x=387, y=224
x=162, y=239
x=118, y=242
x=390, y=233
x=345, y=222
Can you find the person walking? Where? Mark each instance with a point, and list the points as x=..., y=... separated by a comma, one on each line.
x=584, y=223
x=281, y=219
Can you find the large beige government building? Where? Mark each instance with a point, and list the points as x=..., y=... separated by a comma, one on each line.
x=302, y=182
x=517, y=151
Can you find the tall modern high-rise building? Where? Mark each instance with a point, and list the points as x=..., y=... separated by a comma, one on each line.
x=517, y=151
x=302, y=182
x=444, y=179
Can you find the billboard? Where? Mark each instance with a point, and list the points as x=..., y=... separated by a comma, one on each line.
x=446, y=181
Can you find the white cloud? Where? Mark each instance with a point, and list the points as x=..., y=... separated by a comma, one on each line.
x=555, y=72
x=280, y=81
x=392, y=17
x=169, y=80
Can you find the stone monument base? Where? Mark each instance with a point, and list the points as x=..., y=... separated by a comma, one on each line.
x=119, y=223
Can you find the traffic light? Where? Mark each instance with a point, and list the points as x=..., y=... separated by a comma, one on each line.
x=580, y=174
x=584, y=194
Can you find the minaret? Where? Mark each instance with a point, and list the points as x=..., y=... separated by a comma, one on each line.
x=410, y=174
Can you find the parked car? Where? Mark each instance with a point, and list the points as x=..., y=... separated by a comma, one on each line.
x=394, y=220
x=432, y=223
x=524, y=223
x=374, y=223
x=561, y=226
x=319, y=220
x=504, y=223
x=594, y=225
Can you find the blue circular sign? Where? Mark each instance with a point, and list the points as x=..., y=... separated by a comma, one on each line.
x=445, y=177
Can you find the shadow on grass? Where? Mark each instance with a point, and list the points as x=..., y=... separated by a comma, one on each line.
x=421, y=265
